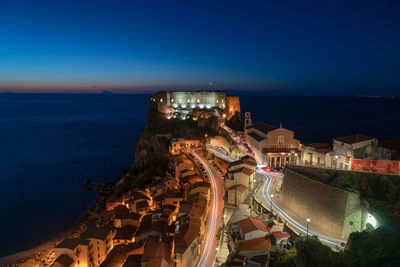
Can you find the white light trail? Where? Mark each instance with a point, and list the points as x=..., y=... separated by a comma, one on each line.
x=212, y=223
x=295, y=224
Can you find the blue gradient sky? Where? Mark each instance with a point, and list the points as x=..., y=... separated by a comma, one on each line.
x=295, y=47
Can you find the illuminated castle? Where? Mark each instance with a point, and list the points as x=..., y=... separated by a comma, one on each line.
x=183, y=104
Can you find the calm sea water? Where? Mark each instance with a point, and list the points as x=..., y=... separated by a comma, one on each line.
x=49, y=144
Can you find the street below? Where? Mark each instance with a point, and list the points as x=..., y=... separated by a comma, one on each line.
x=214, y=213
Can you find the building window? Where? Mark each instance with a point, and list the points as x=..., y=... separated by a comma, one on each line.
x=198, y=100
x=172, y=100
x=281, y=139
x=180, y=100
x=217, y=101
x=319, y=160
x=161, y=100
x=341, y=165
x=188, y=100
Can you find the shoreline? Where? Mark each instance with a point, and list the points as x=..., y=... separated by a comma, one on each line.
x=26, y=254
x=30, y=253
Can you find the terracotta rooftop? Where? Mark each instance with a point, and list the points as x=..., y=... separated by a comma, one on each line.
x=125, y=233
x=251, y=224
x=262, y=127
x=187, y=232
x=93, y=231
x=133, y=261
x=250, y=162
x=115, y=259
x=156, y=249
x=195, y=179
x=256, y=244
x=351, y=139
x=197, y=210
x=256, y=137
x=279, y=235
x=69, y=243
x=63, y=261
x=244, y=170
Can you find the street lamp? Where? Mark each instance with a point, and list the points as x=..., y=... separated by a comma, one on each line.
x=336, y=161
x=308, y=223
x=272, y=196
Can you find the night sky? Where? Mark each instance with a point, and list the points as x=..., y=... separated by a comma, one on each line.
x=278, y=47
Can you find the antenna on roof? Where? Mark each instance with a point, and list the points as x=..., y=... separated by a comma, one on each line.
x=210, y=86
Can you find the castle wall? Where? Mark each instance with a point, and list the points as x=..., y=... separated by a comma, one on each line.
x=233, y=104
x=331, y=209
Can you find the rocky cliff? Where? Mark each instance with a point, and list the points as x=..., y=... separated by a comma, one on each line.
x=151, y=154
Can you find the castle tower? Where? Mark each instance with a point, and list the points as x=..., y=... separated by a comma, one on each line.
x=247, y=120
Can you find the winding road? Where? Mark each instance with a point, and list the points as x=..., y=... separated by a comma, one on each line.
x=214, y=215
x=296, y=223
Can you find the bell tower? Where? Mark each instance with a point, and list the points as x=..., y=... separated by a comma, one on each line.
x=247, y=120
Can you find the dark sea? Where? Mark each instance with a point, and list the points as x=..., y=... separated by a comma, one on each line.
x=51, y=143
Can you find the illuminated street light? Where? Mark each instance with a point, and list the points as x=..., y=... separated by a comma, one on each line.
x=308, y=223
x=336, y=161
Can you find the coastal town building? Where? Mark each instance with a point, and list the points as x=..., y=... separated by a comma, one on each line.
x=279, y=237
x=272, y=147
x=251, y=228
x=237, y=194
x=316, y=155
x=124, y=235
x=75, y=248
x=178, y=144
x=240, y=179
x=357, y=146
x=187, y=241
x=90, y=248
x=254, y=247
x=100, y=243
